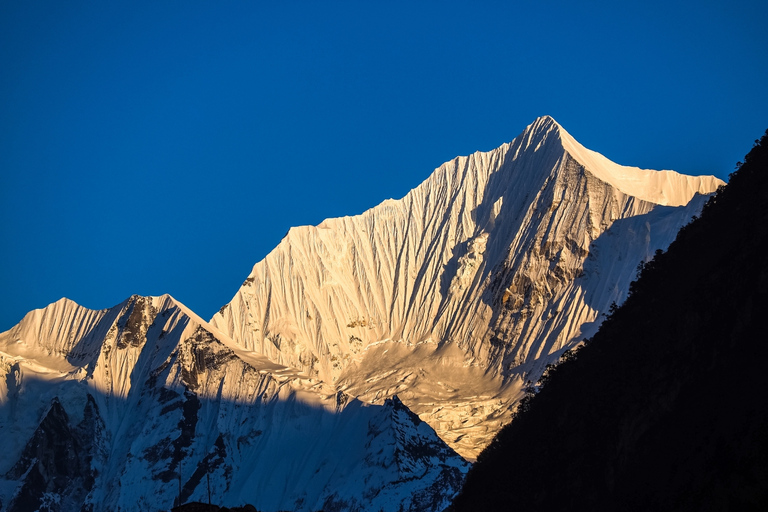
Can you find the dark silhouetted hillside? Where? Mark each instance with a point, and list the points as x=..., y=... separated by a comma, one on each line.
x=666, y=408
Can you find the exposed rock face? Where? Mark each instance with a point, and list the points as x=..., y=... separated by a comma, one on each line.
x=134, y=396
x=456, y=295
x=55, y=466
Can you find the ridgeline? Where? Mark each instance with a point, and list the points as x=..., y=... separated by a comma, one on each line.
x=666, y=407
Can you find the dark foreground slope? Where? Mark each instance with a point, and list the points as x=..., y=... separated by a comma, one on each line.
x=666, y=408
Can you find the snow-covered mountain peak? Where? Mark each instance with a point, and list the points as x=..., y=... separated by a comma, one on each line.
x=444, y=303
x=49, y=336
x=100, y=410
x=495, y=263
x=665, y=187
x=539, y=130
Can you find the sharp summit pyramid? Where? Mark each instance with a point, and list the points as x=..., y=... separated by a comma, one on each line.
x=456, y=295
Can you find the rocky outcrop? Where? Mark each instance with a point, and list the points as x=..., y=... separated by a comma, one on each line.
x=56, y=468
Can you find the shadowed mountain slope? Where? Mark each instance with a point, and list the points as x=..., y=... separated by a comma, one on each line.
x=128, y=407
x=665, y=407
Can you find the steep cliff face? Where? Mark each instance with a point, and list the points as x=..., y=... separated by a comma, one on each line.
x=107, y=410
x=55, y=466
x=457, y=294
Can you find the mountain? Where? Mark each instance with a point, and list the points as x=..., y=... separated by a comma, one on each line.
x=102, y=410
x=458, y=295
x=319, y=385
x=665, y=407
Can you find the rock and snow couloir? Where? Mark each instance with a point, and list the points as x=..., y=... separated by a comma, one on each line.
x=458, y=294
x=101, y=410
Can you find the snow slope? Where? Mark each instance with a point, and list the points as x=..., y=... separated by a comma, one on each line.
x=104, y=409
x=458, y=294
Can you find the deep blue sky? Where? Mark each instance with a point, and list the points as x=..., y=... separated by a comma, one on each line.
x=166, y=147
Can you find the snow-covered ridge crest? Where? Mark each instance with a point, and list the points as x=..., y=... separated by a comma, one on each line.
x=108, y=416
x=458, y=293
x=67, y=338
x=668, y=188
x=54, y=329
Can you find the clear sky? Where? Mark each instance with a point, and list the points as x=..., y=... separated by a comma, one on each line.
x=166, y=147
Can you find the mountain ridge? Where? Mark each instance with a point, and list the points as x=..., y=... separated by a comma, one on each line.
x=663, y=187
x=426, y=316
x=466, y=258
x=163, y=395
x=664, y=408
